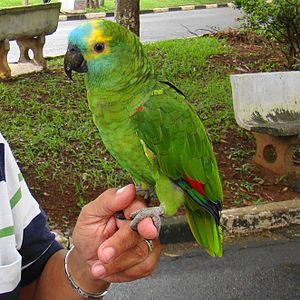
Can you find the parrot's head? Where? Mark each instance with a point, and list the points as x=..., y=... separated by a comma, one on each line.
x=108, y=53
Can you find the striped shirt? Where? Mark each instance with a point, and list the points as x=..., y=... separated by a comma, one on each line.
x=25, y=241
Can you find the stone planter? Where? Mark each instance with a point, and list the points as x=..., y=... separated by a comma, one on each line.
x=268, y=104
x=28, y=25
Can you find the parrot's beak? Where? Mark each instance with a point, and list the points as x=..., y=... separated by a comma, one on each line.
x=74, y=61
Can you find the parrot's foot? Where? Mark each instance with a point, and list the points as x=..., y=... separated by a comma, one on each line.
x=150, y=212
x=144, y=193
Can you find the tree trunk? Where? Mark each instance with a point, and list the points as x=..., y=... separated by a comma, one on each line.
x=25, y=2
x=127, y=13
x=92, y=3
x=101, y=2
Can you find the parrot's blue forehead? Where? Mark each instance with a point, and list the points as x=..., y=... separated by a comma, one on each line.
x=116, y=40
x=77, y=36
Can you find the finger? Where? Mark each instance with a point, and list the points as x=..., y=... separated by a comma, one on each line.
x=123, y=240
x=126, y=260
x=137, y=204
x=146, y=227
x=138, y=270
x=111, y=201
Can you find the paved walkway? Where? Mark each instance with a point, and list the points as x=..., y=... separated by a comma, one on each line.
x=80, y=15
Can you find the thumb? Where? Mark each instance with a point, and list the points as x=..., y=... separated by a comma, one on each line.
x=113, y=200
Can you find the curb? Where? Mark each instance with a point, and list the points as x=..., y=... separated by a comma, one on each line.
x=238, y=221
x=86, y=16
x=235, y=222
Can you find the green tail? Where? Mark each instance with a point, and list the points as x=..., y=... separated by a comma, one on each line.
x=203, y=217
x=205, y=230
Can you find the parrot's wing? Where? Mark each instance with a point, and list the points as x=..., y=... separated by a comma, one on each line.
x=170, y=128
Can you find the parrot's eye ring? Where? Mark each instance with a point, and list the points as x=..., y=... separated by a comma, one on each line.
x=99, y=47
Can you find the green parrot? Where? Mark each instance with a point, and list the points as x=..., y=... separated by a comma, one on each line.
x=149, y=127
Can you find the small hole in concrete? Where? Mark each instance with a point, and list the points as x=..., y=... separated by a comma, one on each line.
x=270, y=154
x=30, y=54
x=296, y=155
x=14, y=53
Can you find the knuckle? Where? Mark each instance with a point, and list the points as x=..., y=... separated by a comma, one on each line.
x=113, y=270
x=85, y=209
x=128, y=239
x=116, y=278
x=107, y=192
x=140, y=251
x=148, y=267
x=124, y=241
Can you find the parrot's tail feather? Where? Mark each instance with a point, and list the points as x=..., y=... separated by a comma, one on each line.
x=213, y=208
x=203, y=217
x=205, y=230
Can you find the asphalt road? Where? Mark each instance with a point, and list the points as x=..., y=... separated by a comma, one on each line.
x=154, y=27
x=259, y=268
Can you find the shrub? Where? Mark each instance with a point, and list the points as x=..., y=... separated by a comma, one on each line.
x=278, y=20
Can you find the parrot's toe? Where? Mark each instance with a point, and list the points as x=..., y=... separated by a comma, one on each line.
x=144, y=193
x=150, y=212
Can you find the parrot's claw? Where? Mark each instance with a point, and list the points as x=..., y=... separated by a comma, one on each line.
x=144, y=193
x=150, y=212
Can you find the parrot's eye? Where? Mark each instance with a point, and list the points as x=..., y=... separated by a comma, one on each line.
x=99, y=47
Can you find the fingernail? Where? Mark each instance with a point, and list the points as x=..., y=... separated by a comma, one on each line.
x=108, y=252
x=98, y=270
x=121, y=190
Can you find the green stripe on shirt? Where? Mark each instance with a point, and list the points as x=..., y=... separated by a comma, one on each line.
x=6, y=231
x=20, y=176
x=15, y=198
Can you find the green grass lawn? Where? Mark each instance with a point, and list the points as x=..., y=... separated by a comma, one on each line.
x=109, y=4
x=9, y=3
x=46, y=119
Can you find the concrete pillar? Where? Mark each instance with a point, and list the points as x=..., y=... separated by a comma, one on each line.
x=276, y=153
x=4, y=68
x=35, y=44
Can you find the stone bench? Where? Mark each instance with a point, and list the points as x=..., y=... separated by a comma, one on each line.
x=28, y=26
x=268, y=104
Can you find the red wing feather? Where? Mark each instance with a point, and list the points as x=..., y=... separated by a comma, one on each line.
x=196, y=185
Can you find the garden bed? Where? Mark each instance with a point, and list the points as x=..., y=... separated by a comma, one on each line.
x=61, y=155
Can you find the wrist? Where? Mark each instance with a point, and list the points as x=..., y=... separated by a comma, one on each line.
x=80, y=277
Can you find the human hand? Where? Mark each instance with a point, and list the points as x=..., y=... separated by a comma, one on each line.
x=108, y=246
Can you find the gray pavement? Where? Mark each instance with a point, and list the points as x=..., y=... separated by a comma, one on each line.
x=257, y=267
x=154, y=27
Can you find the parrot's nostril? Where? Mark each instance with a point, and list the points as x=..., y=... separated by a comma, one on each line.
x=72, y=48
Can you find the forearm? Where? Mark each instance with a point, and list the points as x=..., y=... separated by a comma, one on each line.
x=54, y=284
